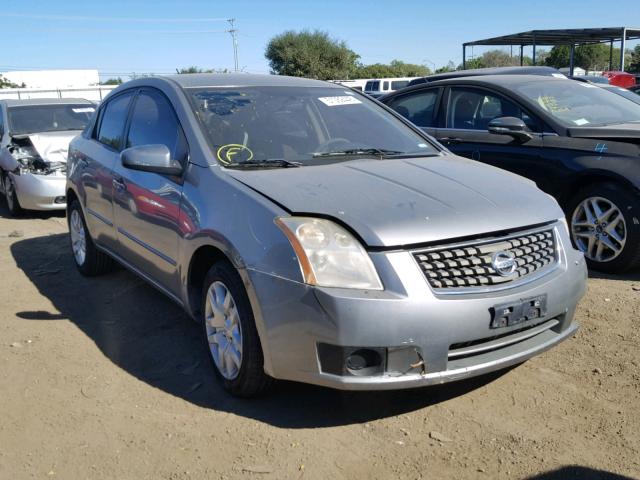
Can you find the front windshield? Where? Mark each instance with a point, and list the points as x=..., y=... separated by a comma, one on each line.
x=577, y=104
x=300, y=125
x=49, y=118
x=628, y=94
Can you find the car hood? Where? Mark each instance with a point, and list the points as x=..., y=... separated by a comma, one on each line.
x=52, y=146
x=396, y=202
x=622, y=132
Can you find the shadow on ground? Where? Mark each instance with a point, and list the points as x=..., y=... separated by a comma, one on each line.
x=578, y=473
x=28, y=214
x=151, y=338
x=633, y=275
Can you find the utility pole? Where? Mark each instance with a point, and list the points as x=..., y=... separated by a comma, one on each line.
x=234, y=35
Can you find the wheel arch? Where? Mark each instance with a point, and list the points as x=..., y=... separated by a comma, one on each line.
x=202, y=259
x=71, y=197
x=593, y=177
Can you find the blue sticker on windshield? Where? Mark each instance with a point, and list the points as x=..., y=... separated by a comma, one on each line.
x=601, y=148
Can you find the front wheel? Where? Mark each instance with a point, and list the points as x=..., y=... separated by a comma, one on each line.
x=11, y=197
x=605, y=226
x=230, y=333
x=89, y=260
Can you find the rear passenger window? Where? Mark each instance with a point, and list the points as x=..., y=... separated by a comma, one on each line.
x=417, y=107
x=154, y=122
x=385, y=86
x=113, y=118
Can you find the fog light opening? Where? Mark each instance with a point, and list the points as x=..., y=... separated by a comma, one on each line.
x=61, y=199
x=363, y=362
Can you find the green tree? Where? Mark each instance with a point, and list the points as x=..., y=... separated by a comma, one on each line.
x=449, y=67
x=193, y=69
x=4, y=83
x=396, y=68
x=310, y=54
x=112, y=81
x=634, y=60
x=589, y=57
x=496, y=58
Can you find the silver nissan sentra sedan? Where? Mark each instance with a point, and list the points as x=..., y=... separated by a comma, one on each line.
x=317, y=236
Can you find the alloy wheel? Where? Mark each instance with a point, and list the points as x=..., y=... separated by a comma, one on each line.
x=598, y=229
x=224, y=332
x=8, y=192
x=78, y=238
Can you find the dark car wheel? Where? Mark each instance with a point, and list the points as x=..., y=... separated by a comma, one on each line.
x=604, y=224
x=11, y=197
x=230, y=333
x=89, y=260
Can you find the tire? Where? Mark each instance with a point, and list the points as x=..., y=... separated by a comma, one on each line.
x=13, y=205
x=225, y=313
x=618, y=231
x=91, y=262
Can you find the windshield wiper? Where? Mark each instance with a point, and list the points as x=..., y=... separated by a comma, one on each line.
x=381, y=152
x=266, y=163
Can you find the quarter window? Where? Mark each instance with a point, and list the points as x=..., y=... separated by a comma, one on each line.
x=417, y=107
x=473, y=109
x=112, y=121
x=154, y=122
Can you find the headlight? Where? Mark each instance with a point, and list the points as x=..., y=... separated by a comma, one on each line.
x=329, y=255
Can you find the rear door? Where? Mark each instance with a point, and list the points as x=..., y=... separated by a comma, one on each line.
x=146, y=204
x=419, y=107
x=468, y=111
x=96, y=167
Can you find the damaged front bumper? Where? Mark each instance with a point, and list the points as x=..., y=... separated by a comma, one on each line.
x=40, y=192
x=406, y=336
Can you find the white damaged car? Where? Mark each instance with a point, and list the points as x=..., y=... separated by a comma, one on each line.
x=34, y=140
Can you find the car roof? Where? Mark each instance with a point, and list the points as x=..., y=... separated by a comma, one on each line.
x=501, y=80
x=504, y=81
x=538, y=70
x=199, y=80
x=43, y=101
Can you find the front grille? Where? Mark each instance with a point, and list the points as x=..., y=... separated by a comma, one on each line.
x=471, y=264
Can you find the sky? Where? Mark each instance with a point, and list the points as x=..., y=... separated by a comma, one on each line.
x=121, y=37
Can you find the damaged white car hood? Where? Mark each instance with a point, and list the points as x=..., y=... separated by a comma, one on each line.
x=53, y=146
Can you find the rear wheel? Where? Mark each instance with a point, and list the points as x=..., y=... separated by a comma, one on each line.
x=604, y=223
x=11, y=197
x=89, y=260
x=230, y=333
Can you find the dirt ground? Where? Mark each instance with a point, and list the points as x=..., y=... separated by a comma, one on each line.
x=105, y=378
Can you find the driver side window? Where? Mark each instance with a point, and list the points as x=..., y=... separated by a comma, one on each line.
x=473, y=109
x=153, y=121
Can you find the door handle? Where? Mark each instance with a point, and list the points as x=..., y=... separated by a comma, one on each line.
x=118, y=183
x=451, y=139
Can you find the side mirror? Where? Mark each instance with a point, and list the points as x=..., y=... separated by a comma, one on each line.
x=512, y=126
x=151, y=158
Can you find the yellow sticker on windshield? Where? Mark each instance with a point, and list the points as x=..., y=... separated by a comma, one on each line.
x=234, y=152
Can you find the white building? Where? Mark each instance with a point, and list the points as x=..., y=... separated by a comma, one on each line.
x=53, y=79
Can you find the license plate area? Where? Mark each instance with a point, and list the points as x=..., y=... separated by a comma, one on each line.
x=515, y=313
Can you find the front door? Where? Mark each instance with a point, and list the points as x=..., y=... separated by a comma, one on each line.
x=465, y=132
x=96, y=168
x=146, y=204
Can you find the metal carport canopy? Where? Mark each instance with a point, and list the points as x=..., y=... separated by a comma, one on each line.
x=571, y=37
